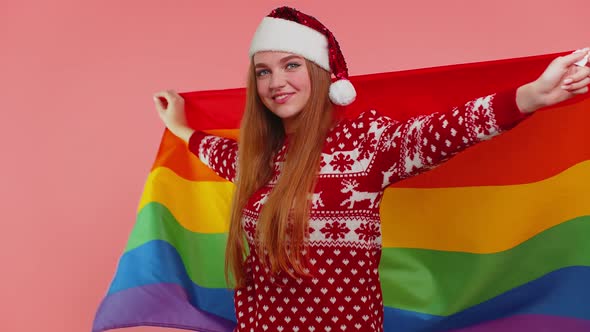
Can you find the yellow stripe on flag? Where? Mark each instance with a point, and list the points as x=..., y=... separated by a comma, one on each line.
x=483, y=219
x=204, y=206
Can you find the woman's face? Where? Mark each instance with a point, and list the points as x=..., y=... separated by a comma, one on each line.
x=283, y=83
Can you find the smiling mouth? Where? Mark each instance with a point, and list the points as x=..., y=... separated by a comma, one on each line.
x=282, y=97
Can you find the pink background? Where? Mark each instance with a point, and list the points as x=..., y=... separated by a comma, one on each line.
x=80, y=132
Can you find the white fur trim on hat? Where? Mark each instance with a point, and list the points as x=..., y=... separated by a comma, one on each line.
x=276, y=34
x=342, y=92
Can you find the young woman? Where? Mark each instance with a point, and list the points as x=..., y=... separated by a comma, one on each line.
x=304, y=242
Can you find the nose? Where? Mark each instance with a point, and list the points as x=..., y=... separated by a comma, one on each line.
x=277, y=80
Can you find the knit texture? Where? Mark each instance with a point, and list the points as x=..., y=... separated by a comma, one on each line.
x=360, y=158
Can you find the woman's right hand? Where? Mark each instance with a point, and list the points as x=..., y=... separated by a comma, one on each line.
x=170, y=107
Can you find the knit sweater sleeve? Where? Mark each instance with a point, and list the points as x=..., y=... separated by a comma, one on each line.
x=218, y=153
x=421, y=143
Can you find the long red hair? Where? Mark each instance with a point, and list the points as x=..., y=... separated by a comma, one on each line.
x=283, y=224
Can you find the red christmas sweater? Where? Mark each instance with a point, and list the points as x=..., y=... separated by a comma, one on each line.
x=360, y=158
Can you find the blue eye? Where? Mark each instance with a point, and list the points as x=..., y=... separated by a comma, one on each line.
x=262, y=72
x=293, y=65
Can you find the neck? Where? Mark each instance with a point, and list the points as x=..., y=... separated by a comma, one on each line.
x=289, y=126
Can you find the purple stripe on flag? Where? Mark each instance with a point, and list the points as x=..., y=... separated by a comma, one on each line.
x=164, y=305
x=537, y=323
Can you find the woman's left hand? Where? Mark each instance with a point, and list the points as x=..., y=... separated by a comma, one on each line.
x=560, y=81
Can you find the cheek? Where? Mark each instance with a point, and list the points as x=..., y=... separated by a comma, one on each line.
x=303, y=84
x=260, y=88
x=262, y=92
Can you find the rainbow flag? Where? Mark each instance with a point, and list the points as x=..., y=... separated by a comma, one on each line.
x=496, y=239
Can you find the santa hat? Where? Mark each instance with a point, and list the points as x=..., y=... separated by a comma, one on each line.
x=289, y=30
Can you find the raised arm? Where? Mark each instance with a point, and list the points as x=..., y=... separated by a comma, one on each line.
x=407, y=148
x=218, y=153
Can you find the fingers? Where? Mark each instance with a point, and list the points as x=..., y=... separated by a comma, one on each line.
x=570, y=59
x=159, y=104
x=158, y=96
x=164, y=98
x=577, y=74
x=580, y=91
x=166, y=95
x=576, y=85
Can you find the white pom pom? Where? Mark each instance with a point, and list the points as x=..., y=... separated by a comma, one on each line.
x=342, y=92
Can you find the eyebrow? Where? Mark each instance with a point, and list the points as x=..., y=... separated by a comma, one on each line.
x=283, y=60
